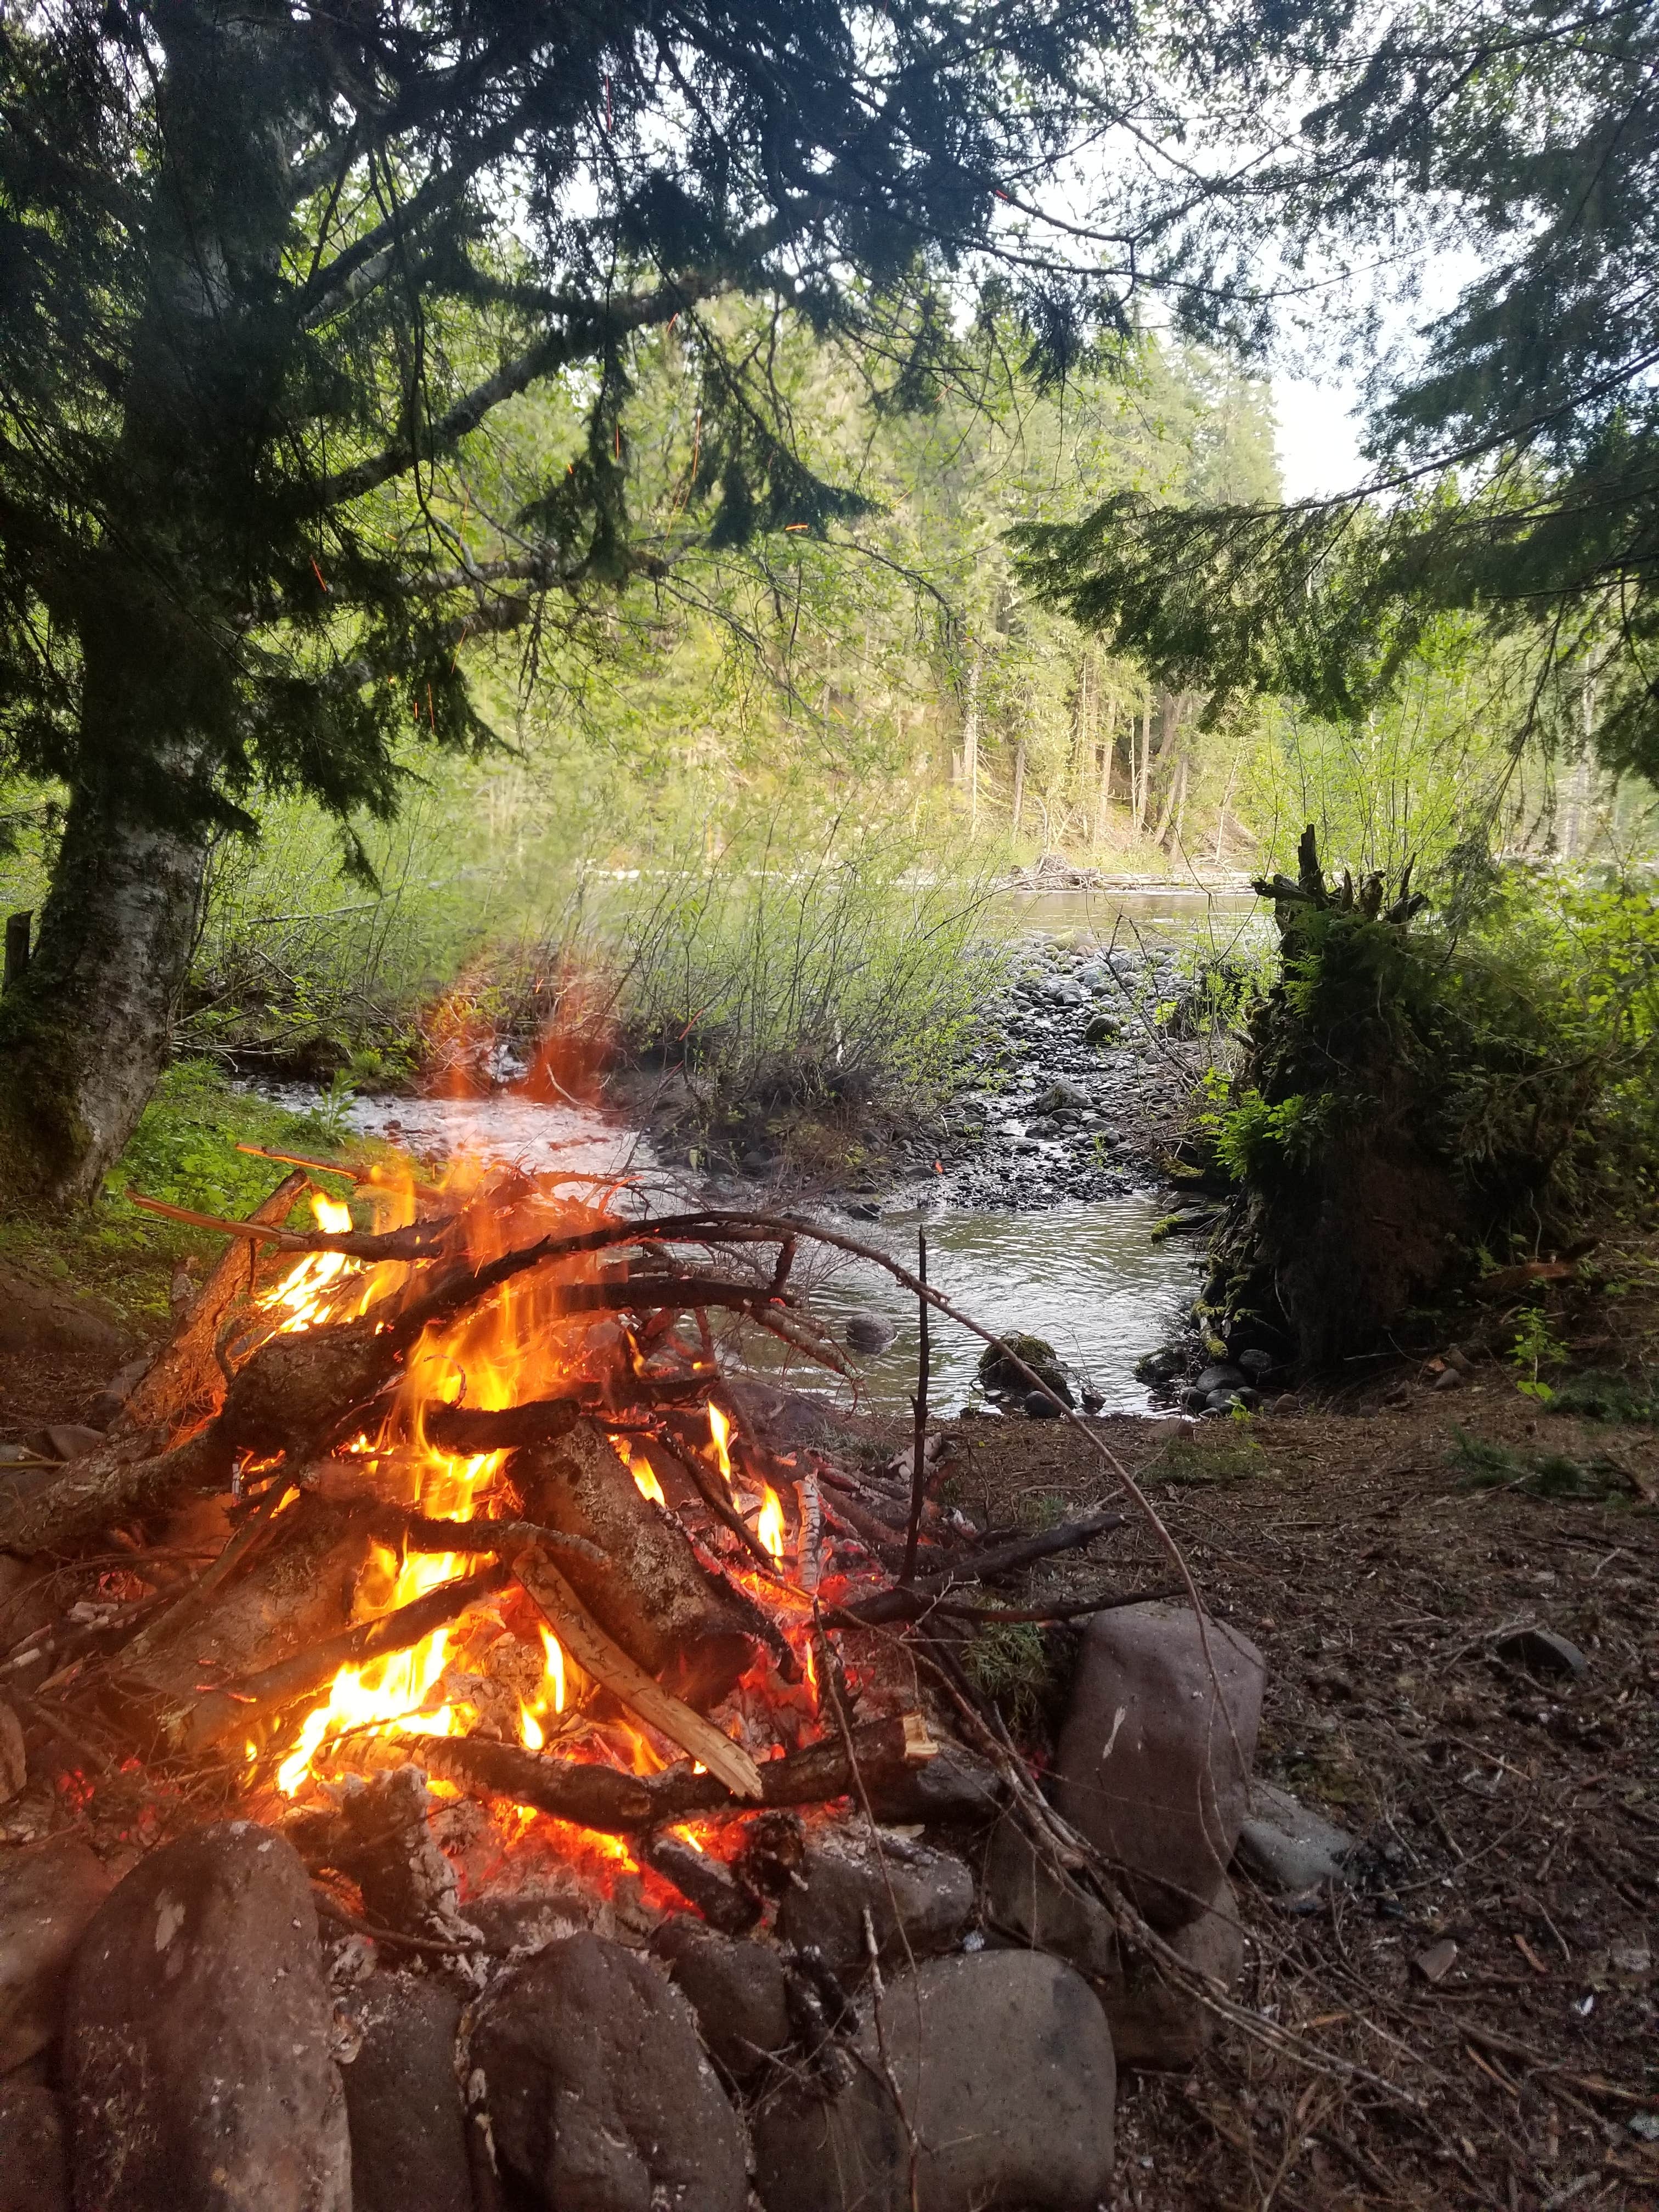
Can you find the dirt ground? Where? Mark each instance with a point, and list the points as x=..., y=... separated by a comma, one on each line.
x=1513, y=1813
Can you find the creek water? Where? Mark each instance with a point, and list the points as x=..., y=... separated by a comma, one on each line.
x=1086, y=1276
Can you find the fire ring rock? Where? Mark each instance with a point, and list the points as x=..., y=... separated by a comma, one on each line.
x=1152, y=1767
x=48, y=1893
x=196, y=2037
x=599, y=2096
x=1004, y=2067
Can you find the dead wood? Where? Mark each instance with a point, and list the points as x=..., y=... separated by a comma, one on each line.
x=715, y=1496
x=980, y=1566
x=703, y=1881
x=647, y=1591
x=195, y=1601
x=426, y=1534
x=57, y=1509
x=292, y=1595
x=183, y=1382
x=597, y=1655
x=377, y=1835
x=195, y=1727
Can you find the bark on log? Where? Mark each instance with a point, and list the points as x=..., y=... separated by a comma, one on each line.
x=295, y=1594
x=197, y=1726
x=596, y=1654
x=183, y=1384
x=57, y=1509
x=620, y=1804
x=647, y=1591
x=466, y=1430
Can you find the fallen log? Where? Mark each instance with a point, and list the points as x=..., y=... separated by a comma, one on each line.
x=198, y=1726
x=610, y=1665
x=468, y=1430
x=620, y=1804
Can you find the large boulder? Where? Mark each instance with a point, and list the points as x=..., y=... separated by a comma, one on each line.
x=403, y=2100
x=736, y=1989
x=1003, y=2069
x=1152, y=1767
x=1028, y=1902
x=48, y=1893
x=917, y=1903
x=1157, y=2025
x=600, y=2096
x=197, y=2037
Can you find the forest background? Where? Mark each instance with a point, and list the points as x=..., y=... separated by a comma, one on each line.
x=817, y=741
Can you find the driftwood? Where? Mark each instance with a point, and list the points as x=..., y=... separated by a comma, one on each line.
x=647, y=1589
x=259, y=1697
x=183, y=1382
x=621, y=1804
x=595, y=1653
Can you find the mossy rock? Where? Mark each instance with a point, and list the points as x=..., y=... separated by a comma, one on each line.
x=998, y=1372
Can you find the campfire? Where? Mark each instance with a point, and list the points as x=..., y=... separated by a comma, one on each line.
x=516, y=1586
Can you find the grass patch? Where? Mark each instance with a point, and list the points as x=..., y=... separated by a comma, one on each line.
x=1488, y=1465
x=1594, y=1396
x=183, y=1151
x=1012, y=1667
x=1214, y=1457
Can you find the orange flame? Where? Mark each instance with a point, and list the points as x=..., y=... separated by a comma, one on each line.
x=720, y=1431
x=770, y=1527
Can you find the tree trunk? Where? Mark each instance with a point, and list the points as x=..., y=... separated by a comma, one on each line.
x=84, y=1032
x=1019, y=783
x=1105, y=798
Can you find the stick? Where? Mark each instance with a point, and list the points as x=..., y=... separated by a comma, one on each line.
x=426, y=1534
x=257, y=1697
x=919, y=1471
x=421, y=1240
x=351, y=1172
x=618, y=1804
x=607, y=1662
x=1000, y=1559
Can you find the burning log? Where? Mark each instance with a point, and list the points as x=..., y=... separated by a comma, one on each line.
x=468, y=1429
x=703, y=1881
x=601, y=1797
x=646, y=1590
x=609, y=1664
x=259, y=1697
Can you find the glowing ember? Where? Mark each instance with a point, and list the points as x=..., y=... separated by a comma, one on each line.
x=770, y=1527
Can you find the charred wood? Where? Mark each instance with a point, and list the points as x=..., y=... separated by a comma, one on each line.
x=702, y=1879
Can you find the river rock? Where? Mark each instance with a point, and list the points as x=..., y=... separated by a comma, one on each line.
x=736, y=1989
x=1285, y=1845
x=1151, y=1766
x=48, y=1893
x=196, y=2037
x=918, y=1902
x=1541, y=1651
x=402, y=2100
x=601, y=2098
x=1028, y=1901
x=1003, y=2066
x=1156, y=2026
x=869, y=1334
x=33, y=2150
x=1220, y=1378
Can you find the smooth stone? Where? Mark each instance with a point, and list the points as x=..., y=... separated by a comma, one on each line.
x=1041, y=1408
x=869, y=1334
x=737, y=1989
x=1286, y=1846
x=1004, y=2068
x=1222, y=1377
x=197, y=2037
x=917, y=1906
x=404, y=2104
x=1541, y=1651
x=49, y=1893
x=1032, y=1902
x=1151, y=1766
x=33, y=2149
x=1255, y=1363
x=600, y=2097
x=1156, y=2025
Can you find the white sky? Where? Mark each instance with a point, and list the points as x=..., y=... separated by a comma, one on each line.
x=1317, y=434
